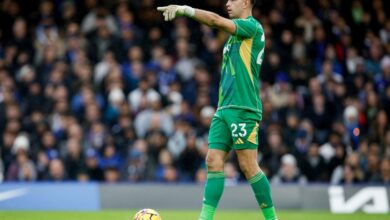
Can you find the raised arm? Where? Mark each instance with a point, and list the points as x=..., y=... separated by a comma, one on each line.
x=205, y=17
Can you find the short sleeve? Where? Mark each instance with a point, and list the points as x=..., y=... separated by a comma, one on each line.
x=245, y=28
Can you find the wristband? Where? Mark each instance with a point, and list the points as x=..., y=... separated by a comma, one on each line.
x=186, y=10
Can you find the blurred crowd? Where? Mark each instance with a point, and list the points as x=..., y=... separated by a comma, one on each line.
x=96, y=90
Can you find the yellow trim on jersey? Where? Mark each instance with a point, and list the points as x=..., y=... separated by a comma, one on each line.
x=245, y=53
x=253, y=136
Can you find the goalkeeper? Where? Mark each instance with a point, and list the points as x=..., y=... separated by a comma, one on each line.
x=235, y=124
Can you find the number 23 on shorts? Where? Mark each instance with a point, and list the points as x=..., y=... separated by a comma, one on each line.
x=241, y=127
x=242, y=132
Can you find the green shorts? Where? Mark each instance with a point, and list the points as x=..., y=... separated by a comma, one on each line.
x=234, y=129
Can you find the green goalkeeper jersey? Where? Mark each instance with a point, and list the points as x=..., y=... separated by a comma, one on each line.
x=243, y=54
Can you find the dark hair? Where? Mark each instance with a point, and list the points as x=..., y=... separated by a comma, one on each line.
x=253, y=2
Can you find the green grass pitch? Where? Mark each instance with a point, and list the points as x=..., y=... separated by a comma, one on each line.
x=182, y=215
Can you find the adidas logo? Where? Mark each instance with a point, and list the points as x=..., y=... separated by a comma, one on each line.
x=263, y=205
x=239, y=141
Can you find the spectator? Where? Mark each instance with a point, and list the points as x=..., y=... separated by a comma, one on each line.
x=304, y=137
x=133, y=67
x=348, y=173
x=385, y=33
x=74, y=160
x=289, y=171
x=22, y=169
x=165, y=171
x=129, y=32
x=21, y=38
x=308, y=22
x=111, y=175
x=42, y=165
x=277, y=150
x=96, y=135
x=116, y=98
x=110, y=158
x=186, y=63
x=106, y=63
x=57, y=172
x=138, y=168
x=102, y=40
x=375, y=55
x=280, y=92
x=289, y=132
x=6, y=150
x=166, y=75
x=314, y=166
x=97, y=17
x=141, y=96
x=338, y=159
x=379, y=126
x=190, y=159
x=384, y=176
x=95, y=173
x=321, y=117
x=373, y=164
x=153, y=118
x=177, y=142
x=327, y=73
x=82, y=176
x=350, y=176
x=382, y=81
x=49, y=145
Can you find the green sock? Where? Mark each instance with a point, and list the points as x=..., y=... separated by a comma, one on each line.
x=262, y=190
x=212, y=194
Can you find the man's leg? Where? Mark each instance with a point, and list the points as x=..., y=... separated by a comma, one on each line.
x=248, y=163
x=214, y=184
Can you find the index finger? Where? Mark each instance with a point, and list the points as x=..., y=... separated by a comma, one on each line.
x=162, y=8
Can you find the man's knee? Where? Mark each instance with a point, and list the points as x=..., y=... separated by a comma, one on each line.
x=214, y=162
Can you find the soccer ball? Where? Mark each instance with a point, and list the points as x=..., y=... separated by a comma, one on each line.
x=147, y=214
